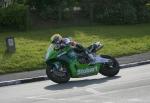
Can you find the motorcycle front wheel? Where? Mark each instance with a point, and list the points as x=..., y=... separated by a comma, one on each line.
x=58, y=75
x=110, y=69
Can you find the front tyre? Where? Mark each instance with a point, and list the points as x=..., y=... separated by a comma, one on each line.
x=110, y=69
x=58, y=75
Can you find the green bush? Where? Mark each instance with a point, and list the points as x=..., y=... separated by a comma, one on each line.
x=143, y=15
x=117, y=13
x=15, y=16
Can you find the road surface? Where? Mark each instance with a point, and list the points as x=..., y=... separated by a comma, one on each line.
x=131, y=85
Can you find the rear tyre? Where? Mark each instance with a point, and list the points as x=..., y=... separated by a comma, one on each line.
x=110, y=69
x=57, y=75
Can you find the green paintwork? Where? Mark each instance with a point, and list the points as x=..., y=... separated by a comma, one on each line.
x=75, y=68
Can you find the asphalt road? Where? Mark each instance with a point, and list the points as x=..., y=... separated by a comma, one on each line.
x=131, y=85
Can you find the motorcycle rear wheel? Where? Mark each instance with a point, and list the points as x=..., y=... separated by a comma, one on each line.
x=55, y=77
x=108, y=70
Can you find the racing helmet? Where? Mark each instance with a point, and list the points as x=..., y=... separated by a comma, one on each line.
x=56, y=38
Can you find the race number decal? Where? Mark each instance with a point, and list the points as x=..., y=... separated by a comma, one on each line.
x=86, y=71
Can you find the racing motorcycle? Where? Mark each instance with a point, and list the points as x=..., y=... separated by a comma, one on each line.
x=65, y=62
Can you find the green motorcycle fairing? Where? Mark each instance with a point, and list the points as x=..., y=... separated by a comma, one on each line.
x=68, y=57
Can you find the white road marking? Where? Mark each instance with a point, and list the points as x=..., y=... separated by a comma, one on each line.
x=53, y=99
x=75, y=88
x=93, y=91
x=37, y=98
x=134, y=100
x=89, y=101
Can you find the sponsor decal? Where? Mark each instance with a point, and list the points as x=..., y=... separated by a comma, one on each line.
x=86, y=71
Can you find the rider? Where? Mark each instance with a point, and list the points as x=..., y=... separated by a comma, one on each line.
x=57, y=39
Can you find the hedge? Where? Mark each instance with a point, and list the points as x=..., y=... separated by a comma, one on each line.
x=15, y=16
x=117, y=11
